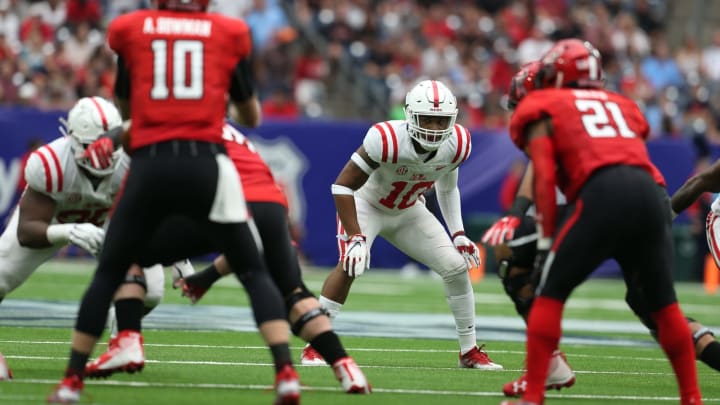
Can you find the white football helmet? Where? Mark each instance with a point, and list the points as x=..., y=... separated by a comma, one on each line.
x=430, y=98
x=89, y=118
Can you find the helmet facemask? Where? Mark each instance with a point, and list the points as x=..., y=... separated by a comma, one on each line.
x=430, y=98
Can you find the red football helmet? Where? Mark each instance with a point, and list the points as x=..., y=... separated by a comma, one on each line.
x=524, y=81
x=183, y=5
x=572, y=63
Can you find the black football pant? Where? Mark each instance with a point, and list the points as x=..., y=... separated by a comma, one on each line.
x=270, y=219
x=175, y=179
x=621, y=213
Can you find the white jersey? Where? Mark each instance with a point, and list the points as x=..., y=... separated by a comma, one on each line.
x=51, y=170
x=403, y=175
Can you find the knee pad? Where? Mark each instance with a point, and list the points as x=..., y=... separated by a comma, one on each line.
x=514, y=279
x=700, y=333
x=296, y=296
x=155, y=285
x=298, y=325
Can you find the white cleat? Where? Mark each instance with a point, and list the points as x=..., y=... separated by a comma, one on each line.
x=351, y=378
x=478, y=359
x=310, y=357
x=125, y=353
x=5, y=373
x=67, y=392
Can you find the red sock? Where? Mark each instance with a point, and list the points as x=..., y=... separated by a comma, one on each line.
x=543, y=336
x=676, y=340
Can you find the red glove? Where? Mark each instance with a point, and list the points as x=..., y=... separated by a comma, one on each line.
x=501, y=231
x=100, y=153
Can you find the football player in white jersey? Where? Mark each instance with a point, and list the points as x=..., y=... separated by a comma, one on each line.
x=378, y=193
x=66, y=201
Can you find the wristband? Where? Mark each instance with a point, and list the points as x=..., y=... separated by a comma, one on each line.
x=520, y=206
x=456, y=234
x=115, y=135
x=56, y=234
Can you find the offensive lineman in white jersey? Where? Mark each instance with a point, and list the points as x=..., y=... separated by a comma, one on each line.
x=66, y=202
x=378, y=192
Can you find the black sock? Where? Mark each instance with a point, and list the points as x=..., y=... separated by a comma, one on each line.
x=711, y=355
x=129, y=312
x=76, y=366
x=329, y=346
x=205, y=278
x=281, y=355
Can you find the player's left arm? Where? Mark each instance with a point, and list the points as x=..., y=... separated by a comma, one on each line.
x=122, y=88
x=36, y=214
x=448, y=196
x=705, y=181
x=542, y=154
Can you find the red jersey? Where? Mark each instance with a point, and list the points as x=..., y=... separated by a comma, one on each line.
x=257, y=179
x=590, y=129
x=180, y=65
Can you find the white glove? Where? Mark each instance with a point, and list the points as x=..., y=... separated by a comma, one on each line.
x=180, y=270
x=88, y=237
x=357, y=257
x=467, y=249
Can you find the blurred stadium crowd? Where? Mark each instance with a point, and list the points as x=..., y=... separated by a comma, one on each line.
x=358, y=58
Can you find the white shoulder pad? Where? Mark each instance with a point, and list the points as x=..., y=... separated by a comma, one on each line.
x=462, y=144
x=381, y=143
x=43, y=171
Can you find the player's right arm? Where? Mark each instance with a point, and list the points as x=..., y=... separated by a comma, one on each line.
x=355, y=173
x=244, y=107
x=504, y=229
x=705, y=181
x=36, y=213
x=37, y=210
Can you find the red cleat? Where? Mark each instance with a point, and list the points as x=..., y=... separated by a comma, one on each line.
x=353, y=380
x=287, y=386
x=67, y=392
x=560, y=375
x=310, y=357
x=125, y=353
x=477, y=358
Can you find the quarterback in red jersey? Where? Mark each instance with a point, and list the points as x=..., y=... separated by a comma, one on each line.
x=183, y=66
x=589, y=142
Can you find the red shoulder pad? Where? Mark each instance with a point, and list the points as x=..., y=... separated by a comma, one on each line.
x=531, y=108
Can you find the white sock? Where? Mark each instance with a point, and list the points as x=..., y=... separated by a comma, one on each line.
x=461, y=300
x=331, y=306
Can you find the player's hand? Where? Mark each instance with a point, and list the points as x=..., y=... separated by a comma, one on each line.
x=467, y=249
x=87, y=236
x=100, y=153
x=181, y=270
x=191, y=289
x=357, y=258
x=501, y=231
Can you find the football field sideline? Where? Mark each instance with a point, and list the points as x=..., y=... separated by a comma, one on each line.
x=61, y=314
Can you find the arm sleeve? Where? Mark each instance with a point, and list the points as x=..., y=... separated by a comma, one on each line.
x=122, y=80
x=448, y=197
x=241, y=88
x=542, y=155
